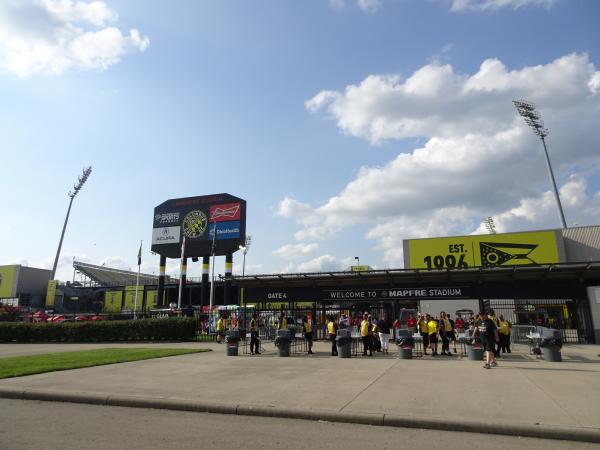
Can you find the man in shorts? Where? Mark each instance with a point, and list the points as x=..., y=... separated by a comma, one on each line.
x=488, y=333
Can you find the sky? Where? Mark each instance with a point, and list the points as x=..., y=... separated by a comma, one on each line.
x=347, y=125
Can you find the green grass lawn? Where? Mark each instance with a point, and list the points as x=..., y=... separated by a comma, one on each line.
x=19, y=366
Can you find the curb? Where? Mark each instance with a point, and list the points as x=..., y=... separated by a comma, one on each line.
x=388, y=420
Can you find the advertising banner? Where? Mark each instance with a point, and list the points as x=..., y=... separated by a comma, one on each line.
x=489, y=250
x=130, y=298
x=51, y=293
x=196, y=218
x=112, y=301
x=7, y=281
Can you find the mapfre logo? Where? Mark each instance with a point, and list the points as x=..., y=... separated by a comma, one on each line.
x=194, y=224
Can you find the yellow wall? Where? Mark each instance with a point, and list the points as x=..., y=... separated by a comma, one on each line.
x=489, y=250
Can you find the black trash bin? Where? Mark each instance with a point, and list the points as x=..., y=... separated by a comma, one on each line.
x=474, y=349
x=405, y=347
x=283, y=342
x=232, y=339
x=343, y=340
x=550, y=343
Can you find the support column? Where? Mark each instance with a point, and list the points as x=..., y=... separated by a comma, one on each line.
x=161, y=282
x=183, y=279
x=227, y=286
x=204, y=293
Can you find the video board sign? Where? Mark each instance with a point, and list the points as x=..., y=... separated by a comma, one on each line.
x=197, y=219
x=489, y=250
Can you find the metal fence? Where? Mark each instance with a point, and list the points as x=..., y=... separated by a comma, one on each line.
x=571, y=317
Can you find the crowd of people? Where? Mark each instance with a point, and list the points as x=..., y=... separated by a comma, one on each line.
x=437, y=332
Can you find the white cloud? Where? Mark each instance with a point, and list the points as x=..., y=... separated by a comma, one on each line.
x=293, y=251
x=479, y=158
x=492, y=5
x=368, y=6
x=54, y=36
x=323, y=263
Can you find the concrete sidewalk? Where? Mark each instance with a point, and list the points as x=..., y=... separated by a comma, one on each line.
x=523, y=396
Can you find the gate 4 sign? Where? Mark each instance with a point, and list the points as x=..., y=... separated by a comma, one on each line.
x=491, y=250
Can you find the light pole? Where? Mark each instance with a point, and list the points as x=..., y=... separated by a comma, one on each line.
x=244, y=248
x=76, y=188
x=357, y=260
x=532, y=118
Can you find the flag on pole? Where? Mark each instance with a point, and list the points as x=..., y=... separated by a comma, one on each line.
x=140, y=255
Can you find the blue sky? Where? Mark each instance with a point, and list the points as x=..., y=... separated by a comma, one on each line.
x=346, y=125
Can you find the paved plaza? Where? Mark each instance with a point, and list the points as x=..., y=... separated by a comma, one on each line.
x=522, y=395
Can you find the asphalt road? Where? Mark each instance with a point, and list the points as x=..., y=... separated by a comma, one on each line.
x=49, y=425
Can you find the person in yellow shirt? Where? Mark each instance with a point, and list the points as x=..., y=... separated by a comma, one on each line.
x=445, y=330
x=331, y=333
x=432, y=331
x=424, y=331
x=220, y=328
x=308, y=334
x=365, y=334
x=504, y=334
x=282, y=325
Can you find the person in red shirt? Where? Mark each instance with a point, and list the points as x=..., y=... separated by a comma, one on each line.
x=459, y=323
x=411, y=323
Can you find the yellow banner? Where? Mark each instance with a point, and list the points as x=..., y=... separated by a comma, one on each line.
x=359, y=268
x=130, y=298
x=7, y=281
x=51, y=292
x=112, y=301
x=489, y=250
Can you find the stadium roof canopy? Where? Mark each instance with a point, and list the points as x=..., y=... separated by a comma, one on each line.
x=107, y=276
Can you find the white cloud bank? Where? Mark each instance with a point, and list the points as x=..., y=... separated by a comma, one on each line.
x=54, y=36
x=493, y=5
x=479, y=158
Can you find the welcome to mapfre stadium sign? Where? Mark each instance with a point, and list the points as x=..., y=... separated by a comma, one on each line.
x=488, y=250
x=197, y=218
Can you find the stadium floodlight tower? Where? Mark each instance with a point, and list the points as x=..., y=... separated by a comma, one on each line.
x=76, y=188
x=532, y=118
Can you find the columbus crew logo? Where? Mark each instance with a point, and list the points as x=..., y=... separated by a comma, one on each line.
x=194, y=224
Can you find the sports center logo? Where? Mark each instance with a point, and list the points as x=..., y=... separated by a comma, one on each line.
x=494, y=254
x=194, y=224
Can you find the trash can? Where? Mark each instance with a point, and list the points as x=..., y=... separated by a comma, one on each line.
x=475, y=351
x=283, y=342
x=405, y=347
x=551, y=349
x=343, y=341
x=232, y=339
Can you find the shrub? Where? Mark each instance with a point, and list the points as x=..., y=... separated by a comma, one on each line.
x=172, y=328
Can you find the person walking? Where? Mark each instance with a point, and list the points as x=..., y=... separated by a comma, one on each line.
x=308, y=333
x=492, y=316
x=432, y=331
x=504, y=332
x=424, y=330
x=220, y=328
x=411, y=324
x=254, y=342
x=331, y=333
x=384, y=334
x=365, y=334
x=488, y=334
